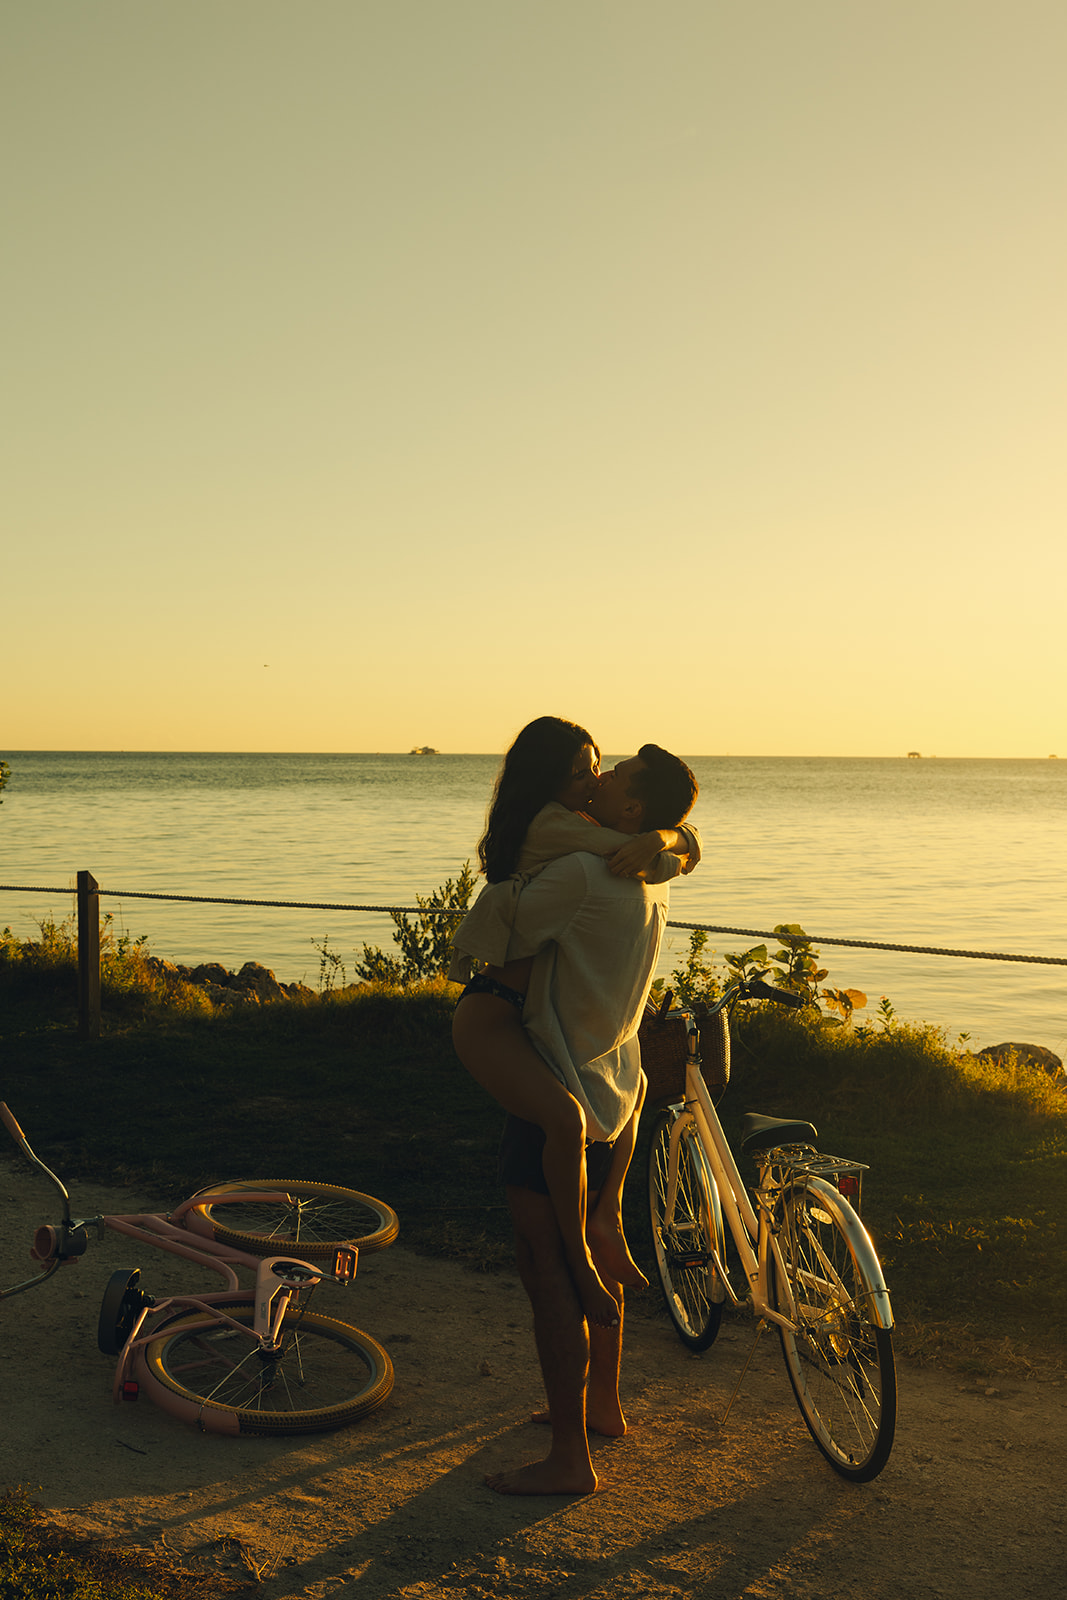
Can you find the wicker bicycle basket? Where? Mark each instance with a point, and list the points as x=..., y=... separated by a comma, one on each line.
x=663, y=1053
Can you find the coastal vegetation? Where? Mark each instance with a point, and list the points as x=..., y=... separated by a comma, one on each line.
x=358, y=1085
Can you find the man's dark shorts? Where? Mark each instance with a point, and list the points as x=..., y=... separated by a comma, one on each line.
x=520, y=1167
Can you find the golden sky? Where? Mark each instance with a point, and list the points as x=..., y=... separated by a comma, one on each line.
x=381, y=374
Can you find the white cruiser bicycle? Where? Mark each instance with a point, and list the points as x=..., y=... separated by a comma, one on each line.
x=807, y=1265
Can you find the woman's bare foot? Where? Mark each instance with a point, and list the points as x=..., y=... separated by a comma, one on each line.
x=599, y=1304
x=543, y=1477
x=611, y=1252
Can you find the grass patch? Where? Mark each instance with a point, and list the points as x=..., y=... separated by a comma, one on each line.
x=40, y=1560
x=359, y=1087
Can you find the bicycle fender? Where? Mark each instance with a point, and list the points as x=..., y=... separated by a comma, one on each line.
x=859, y=1243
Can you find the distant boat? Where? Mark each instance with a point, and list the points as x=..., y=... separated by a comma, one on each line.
x=914, y=755
x=424, y=750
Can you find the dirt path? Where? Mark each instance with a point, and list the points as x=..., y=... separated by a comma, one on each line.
x=971, y=1502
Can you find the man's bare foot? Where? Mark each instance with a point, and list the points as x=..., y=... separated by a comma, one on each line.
x=611, y=1252
x=611, y=1423
x=543, y=1477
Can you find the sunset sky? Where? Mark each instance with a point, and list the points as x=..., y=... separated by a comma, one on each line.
x=380, y=374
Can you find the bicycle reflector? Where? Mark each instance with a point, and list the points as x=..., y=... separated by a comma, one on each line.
x=848, y=1184
x=130, y=1389
x=694, y=1260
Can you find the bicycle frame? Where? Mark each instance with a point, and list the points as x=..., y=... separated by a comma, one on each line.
x=754, y=1235
x=278, y=1278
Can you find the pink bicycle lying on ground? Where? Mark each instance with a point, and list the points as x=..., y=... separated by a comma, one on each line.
x=237, y=1360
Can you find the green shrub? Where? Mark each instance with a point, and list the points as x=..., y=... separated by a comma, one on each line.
x=426, y=944
x=130, y=980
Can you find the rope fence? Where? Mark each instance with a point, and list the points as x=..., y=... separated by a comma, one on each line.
x=445, y=911
x=872, y=944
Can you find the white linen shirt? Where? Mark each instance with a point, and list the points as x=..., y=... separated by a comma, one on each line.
x=484, y=933
x=596, y=941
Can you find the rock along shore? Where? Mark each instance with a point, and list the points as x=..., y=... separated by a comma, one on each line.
x=254, y=985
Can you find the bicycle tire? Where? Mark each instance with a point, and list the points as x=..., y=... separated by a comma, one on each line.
x=203, y=1375
x=840, y=1361
x=319, y=1219
x=682, y=1242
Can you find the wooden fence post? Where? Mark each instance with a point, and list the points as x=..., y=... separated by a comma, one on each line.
x=88, y=956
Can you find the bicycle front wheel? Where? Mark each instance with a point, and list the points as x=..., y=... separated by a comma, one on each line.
x=312, y=1220
x=323, y=1376
x=840, y=1362
x=684, y=1235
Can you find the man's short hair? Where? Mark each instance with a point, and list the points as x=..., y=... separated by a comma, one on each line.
x=665, y=787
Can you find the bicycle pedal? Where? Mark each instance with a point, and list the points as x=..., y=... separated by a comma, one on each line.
x=344, y=1265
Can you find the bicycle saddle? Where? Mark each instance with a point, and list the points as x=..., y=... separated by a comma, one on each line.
x=760, y=1133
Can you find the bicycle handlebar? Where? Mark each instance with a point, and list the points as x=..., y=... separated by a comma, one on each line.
x=11, y=1125
x=741, y=989
x=7, y=1118
x=766, y=991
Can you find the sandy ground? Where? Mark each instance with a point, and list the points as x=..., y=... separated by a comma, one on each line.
x=970, y=1504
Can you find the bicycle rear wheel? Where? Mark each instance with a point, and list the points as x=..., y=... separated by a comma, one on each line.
x=840, y=1362
x=325, y=1374
x=683, y=1240
x=312, y=1220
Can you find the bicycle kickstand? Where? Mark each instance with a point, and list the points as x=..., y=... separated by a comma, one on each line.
x=761, y=1328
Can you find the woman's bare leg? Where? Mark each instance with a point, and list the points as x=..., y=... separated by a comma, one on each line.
x=607, y=1241
x=490, y=1041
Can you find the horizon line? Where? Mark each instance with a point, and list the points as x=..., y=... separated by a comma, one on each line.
x=712, y=755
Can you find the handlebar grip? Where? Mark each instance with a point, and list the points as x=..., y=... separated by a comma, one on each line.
x=10, y=1124
x=767, y=991
x=666, y=1003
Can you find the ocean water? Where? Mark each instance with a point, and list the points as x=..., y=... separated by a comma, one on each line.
x=961, y=854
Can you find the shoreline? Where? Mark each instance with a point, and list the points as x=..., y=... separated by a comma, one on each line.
x=254, y=984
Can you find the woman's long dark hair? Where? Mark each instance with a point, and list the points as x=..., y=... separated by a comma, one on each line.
x=535, y=769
